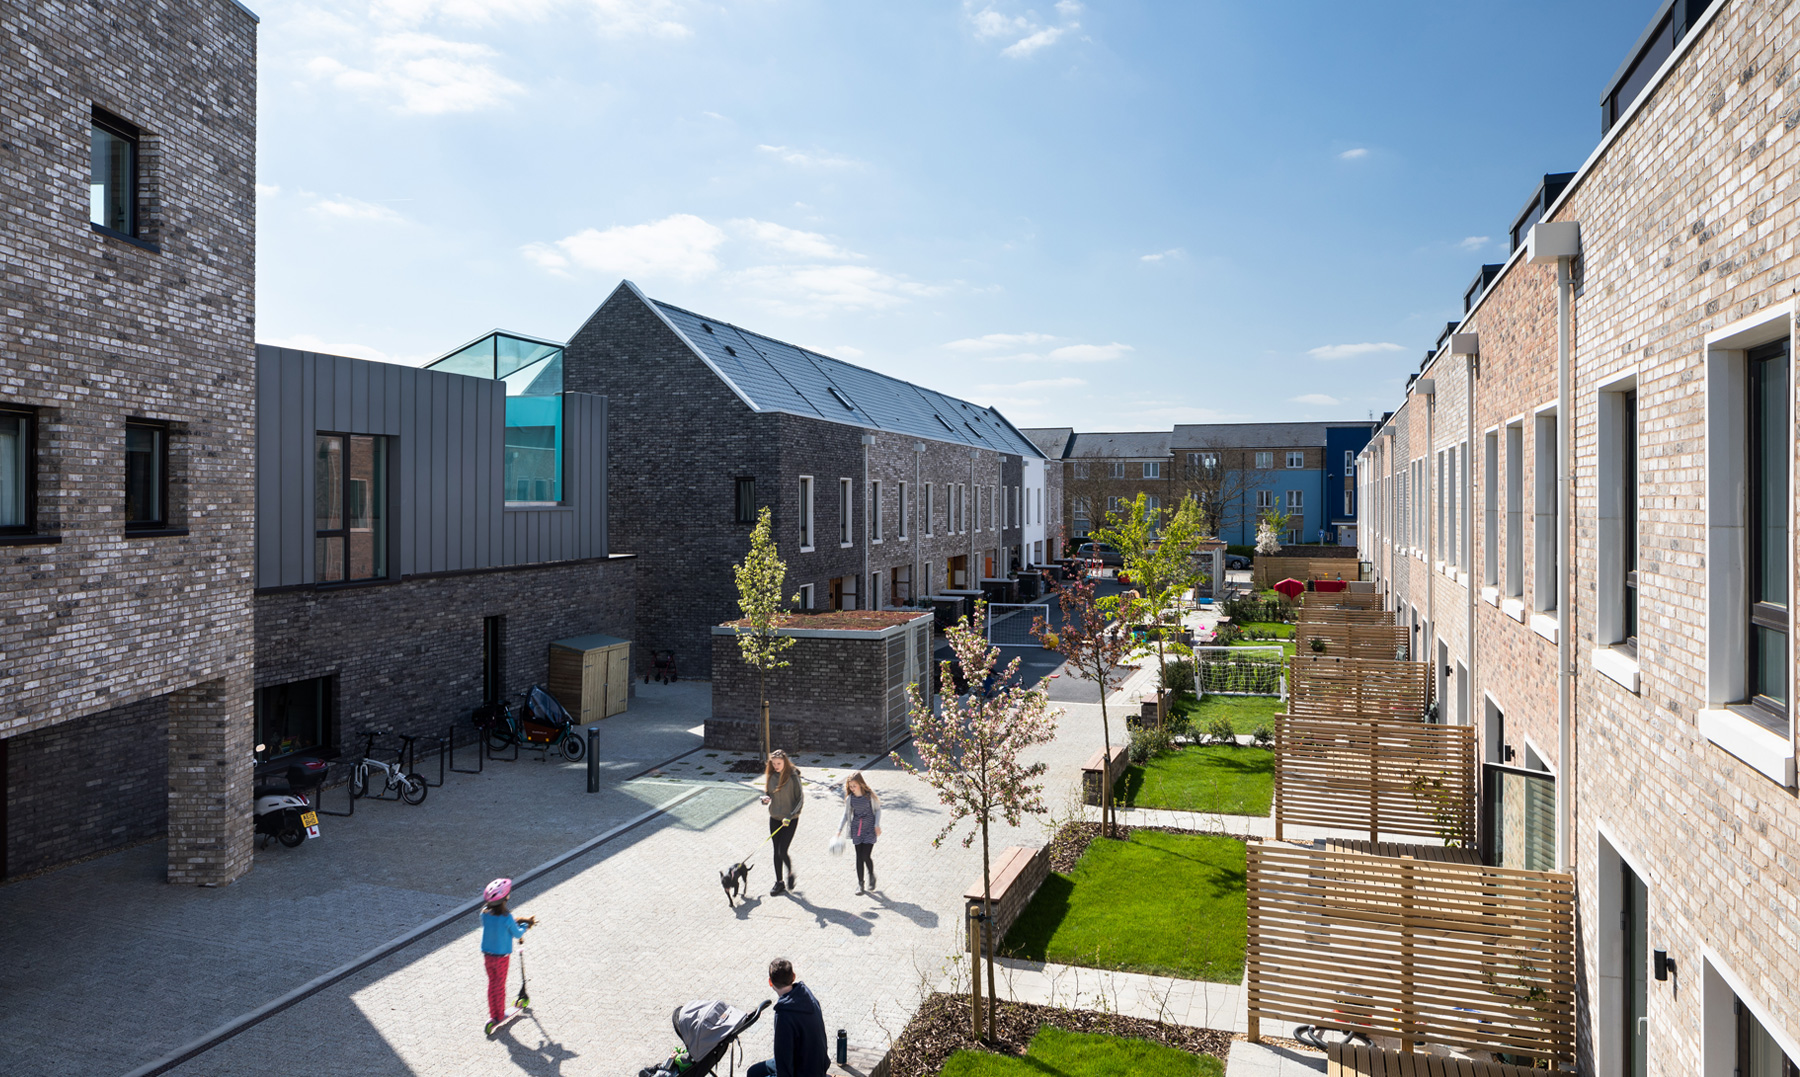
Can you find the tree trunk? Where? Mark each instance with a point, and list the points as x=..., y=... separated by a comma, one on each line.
x=1107, y=815
x=987, y=926
x=974, y=926
x=762, y=692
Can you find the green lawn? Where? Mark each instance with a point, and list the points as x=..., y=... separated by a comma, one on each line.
x=1245, y=712
x=1165, y=904
x=1270, y=628
x=1084, y=1054
x=1233, y=780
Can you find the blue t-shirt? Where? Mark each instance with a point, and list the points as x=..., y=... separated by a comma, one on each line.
x=498, y=932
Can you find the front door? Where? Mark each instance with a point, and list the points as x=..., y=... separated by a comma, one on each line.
x=1635, y=923
x=837, y=592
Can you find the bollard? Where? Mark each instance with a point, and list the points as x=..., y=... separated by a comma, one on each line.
x=593, y=756
x=843, y=1047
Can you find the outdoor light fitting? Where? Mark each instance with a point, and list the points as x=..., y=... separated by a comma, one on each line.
x=1425, y=386
x=1663, y=964
x=1465, y=344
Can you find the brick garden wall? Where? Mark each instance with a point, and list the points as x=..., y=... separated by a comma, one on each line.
x=833, y=697
x=408, y=656
x=86, y=786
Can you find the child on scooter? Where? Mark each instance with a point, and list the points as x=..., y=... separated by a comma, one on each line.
x=498, y=931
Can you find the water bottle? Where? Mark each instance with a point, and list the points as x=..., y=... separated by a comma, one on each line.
x=843, y=1047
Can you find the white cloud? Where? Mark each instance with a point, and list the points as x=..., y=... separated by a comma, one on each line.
x=1159, y=256
x=1029, y=44
x=1316, y=399
x=1473, y=243
x=267, y=190
x=993, y=342
x=1028, y=35
x=679, y=247
x=810, y=160
x=1068, y=9
x=1039, y=383
x=423, y=74
x=1352, y=351
x=355, y=209
x=815, y=290
x=1356, y=154
x=1089, y=353
x=845, y=351
x=612, y=18
x=793, y=241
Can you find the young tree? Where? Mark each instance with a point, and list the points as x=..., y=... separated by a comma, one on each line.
x=1092, y=641
x=970, y=749
x=1268, y=532
x=759, y=582
x=1161, y=556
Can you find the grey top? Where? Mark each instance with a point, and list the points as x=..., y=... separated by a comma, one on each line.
x=785, y=802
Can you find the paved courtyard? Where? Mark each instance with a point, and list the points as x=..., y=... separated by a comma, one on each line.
x=628, y=932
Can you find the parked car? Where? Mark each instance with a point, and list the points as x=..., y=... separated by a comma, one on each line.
x=1099, y=551
x=1236, y=560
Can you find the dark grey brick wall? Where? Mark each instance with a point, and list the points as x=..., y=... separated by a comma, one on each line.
x=833, y=697
x=86, y=786
x=407, y=656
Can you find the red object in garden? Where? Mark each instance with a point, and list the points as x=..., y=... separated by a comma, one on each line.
x=1290, y=587
x=1330, y=586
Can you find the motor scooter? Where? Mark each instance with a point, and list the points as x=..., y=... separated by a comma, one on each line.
x=283, y=808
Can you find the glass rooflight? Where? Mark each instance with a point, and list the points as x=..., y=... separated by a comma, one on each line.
x=532, y=372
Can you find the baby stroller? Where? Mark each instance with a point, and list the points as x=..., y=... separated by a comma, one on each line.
x=708, y=1031
x=662, y=667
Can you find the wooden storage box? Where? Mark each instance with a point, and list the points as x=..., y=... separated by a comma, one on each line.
x=590, y=675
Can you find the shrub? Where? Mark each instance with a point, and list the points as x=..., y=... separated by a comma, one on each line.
x=1219, y=731
x=1179, y=675
x=1317, y=643
x=1148, y=742
x=1262, y=735
x=1225, y=633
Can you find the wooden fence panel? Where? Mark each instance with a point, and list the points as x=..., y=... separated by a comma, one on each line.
x=1372, y=687
x=1360, y=600
x=1346, y=615
x=1265, y=572
x=1451, y=954
x=1394, y=778
x=1353, y=639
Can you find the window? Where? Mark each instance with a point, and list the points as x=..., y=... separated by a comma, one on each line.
x=1490, y=510
x=1544, y=563
x=905, y=511
x=1771, y=442
x=1515, y=510
x=1296, y=459
x=1118, y=470
x=350, y=508
x=1152, y=469
x=806, y=517
x=1265, y=461
x=293, y=718
x=846, y=492
x=1349, y=462
x=930, y=510
x=962, y=508
x=1080, y=511
x=746, y=499
x=875, y=512
x=1349, y=502
x=1758, y=1055
x=1616, y=498
x=806, y=596
x=1152, y=503
x=1265, y=499
x=1452, y=517
x=18, y=471
x=1081, y=471
x=1291, y=536
x=113, y=175
x=146, y=475
x=493, y=658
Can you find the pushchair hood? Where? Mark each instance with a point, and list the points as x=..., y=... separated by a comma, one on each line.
x=542, y=707
x=703, y=1026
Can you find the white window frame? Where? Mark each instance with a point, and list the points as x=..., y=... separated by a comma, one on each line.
x=1294, y=501
x=846, y=513
x=1118, y=469
x=1612, y=503
x=1296, y=461
x=1080, y=469
x=1265, y=499
x=874, y=512
x=1490, y=510
x=806, y=596
x=930, y=507
x=1265, y=461
x=806, y=515
x=905, y=511
x=1349, y=461
x=1152, y=469
x=1513, y=580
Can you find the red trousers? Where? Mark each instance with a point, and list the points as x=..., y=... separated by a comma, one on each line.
x=496, y=972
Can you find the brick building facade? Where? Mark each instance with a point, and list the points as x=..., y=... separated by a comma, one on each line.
x=1672, y=765
x=880, y=491
x=126, y=396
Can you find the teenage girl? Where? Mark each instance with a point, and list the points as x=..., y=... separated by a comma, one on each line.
x=498, y=930
x=862, y=817
x=783, y=795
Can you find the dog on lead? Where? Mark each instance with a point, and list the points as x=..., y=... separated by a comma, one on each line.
x=736, y=881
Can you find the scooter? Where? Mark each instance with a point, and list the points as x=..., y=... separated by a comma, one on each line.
x=283, y=810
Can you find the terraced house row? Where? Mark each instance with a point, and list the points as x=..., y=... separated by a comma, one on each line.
x=1584, y=510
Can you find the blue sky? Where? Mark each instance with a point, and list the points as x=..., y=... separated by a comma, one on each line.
x=1113, y=216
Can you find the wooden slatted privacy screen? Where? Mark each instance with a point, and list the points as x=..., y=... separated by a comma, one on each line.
x=1354, y=600
x=1346, y=615
x=1328, y=684
x=1266, y=572
x=1385, y=778
x=1451, y=954
x=1346, y=639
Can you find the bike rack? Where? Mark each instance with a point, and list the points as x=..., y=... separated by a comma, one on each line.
x=488, y=750
x=450, y=750
x=411, y=762
x=320, y=806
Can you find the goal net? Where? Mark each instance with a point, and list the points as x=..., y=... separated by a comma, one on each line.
x=1240, y=671
x=1009, y=623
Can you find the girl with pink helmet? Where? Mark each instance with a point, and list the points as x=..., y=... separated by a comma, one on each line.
x=498, y=932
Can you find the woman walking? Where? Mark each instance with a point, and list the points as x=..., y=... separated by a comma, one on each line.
x=862, y=817
x=782, y=793
x=498, y=932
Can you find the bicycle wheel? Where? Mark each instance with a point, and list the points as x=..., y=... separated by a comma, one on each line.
x=359, y=783
x=413, y=789
x=573, y=747
x=499, y=739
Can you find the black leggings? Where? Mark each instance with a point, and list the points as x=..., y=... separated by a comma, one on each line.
x=784, y=837
x=863, y=860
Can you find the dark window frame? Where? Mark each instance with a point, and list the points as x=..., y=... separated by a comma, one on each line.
x=327, y=747
x=384, y=545
x=1764, y=615
x=162, y=429
x=1628, y=517
x=744, y=498
x=133, y=136
x=30, y=451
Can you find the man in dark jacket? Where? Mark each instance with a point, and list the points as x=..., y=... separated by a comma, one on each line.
x=800, y=1046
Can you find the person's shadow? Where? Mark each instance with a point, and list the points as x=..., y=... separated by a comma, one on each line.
x=918, y=914
x=856, y=925
x=544, y=1060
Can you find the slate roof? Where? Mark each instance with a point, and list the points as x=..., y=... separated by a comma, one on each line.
x=1052, y=441
x=1148, y=445
x=1255, y=435
x=773, y=375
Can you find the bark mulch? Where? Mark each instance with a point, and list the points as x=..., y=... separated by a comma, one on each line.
x=941, y=1028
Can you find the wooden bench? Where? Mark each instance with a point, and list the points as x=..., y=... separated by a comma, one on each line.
x=1440, y=853
x=1349, y=1061
x=1017, y=872
x=1090, y=774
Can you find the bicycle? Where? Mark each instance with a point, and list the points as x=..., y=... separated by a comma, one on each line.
x=536, y=721
x=408, y=787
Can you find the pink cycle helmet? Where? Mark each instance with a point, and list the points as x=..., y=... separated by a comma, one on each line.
x=497, y=890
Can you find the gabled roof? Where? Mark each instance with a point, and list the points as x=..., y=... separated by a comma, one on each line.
x=1147, y=445
x=773, y=375
x=1256, y=435
x=1052, y=441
